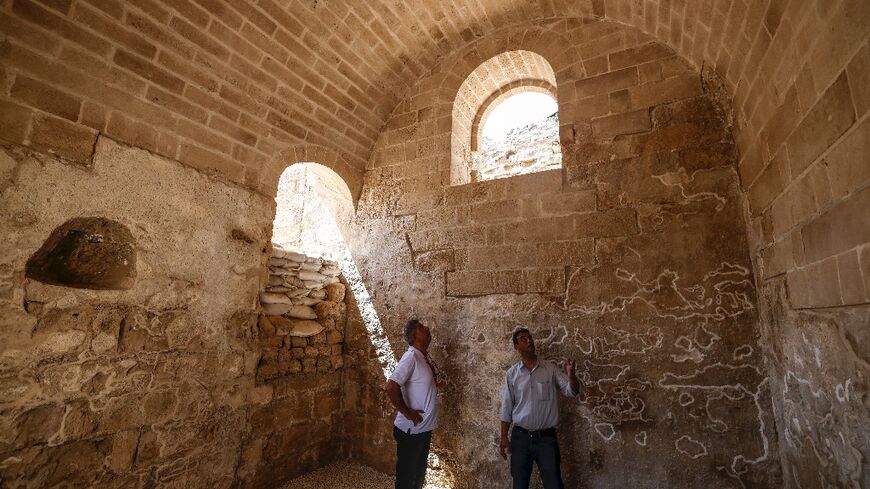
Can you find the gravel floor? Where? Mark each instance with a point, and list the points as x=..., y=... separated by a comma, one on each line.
x=344, y=475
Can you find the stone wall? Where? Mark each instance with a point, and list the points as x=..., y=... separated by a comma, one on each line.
x=239, y=90
x=153, y=384
x=632, y=260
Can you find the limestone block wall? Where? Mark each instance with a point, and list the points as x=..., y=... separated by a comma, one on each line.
x=795, y=72
x=155, y=383
x=239, y=90
x=633, y=259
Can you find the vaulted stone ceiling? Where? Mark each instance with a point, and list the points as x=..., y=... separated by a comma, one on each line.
x=373, y=52
x=326, y=74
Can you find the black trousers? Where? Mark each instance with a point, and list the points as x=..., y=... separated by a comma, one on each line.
x=412, y=456
x=542, y=449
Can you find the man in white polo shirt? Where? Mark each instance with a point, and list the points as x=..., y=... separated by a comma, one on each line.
x=530, y=402
x=413, y=390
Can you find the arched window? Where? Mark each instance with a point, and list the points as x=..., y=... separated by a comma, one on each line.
x=505, y=119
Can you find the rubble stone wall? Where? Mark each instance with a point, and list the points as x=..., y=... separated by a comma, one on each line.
x=633, y=260
x=153, y=385
x=303, y=316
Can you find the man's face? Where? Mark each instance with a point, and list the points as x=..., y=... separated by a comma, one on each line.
x=525, y=343
x=423, y=335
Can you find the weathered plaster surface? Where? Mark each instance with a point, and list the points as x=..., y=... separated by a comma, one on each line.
x=819, y=368
x=153, y=386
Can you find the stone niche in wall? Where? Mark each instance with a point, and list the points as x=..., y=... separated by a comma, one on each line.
x=303, y=315
x=86, y=253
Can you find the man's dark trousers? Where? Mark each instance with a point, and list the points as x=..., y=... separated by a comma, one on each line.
x=412, y=454
x=541, y=448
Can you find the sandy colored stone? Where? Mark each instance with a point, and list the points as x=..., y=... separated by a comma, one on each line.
x=333, y=337
x=305, y=301
x=330, y=271
x=300, y=312
x=335, y=292
x=276, y=309
x=294, y=256
x=310, y=276
x=282, y=325
x=266, y=326
x=279, y=262
x=274, y=298
x=304, y=328
x=318, y=339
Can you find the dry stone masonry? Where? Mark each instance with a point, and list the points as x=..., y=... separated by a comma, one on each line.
x=303, y=315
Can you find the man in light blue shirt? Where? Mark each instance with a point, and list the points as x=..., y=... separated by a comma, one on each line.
x=413, y=390
x=530, y=402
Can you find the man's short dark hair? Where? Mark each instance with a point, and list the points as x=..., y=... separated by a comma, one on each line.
x=517, y=333
x=410, y=329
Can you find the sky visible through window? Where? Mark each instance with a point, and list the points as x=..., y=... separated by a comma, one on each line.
x=518, y=111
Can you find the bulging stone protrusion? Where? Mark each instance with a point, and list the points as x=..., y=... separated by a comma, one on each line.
x=86, y=253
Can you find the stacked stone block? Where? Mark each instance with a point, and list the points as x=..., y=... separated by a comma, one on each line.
x=303, y=315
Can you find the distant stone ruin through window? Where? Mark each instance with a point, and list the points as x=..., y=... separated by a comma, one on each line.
x=514, y=90
x=519, y=134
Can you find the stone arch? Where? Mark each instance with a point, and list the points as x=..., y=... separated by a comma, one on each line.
x=329, y=158
x=485, y=72
x=329, y=189
x=508, y=71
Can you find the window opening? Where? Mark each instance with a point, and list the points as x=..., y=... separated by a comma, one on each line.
x=520, y=135
x=532, y=146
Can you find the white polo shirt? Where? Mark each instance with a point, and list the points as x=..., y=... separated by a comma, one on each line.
x=414, y=376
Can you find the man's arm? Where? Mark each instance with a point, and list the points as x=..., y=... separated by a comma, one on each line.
x=567, y=379
x=506, y=412
x=394, y=393
x=504, y=446
x=572, y=377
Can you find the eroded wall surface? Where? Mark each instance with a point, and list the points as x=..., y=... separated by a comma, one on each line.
x=819, y=369
x=632, y=259
x=153, y=386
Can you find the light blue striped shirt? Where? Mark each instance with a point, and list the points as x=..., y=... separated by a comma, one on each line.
x=530, y=397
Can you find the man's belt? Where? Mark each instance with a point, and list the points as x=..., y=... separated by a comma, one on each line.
x=536, y=433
